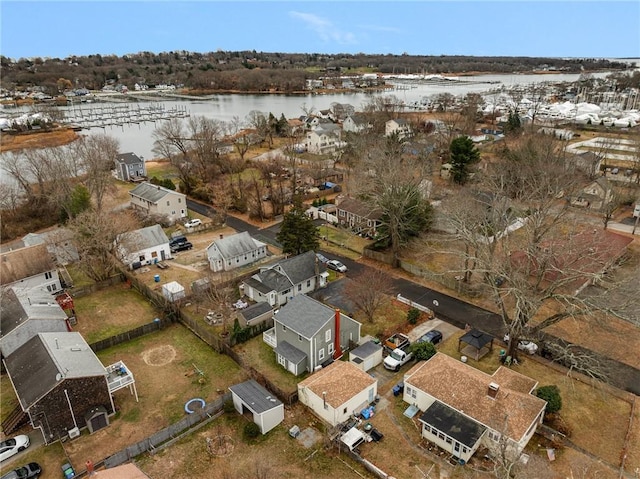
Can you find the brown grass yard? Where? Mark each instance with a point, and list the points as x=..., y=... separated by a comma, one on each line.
x=50, y=459
x=112, y=311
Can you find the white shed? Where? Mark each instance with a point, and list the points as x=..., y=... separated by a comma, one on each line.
x=267, y=410
x=173, y=291
x=366, y=356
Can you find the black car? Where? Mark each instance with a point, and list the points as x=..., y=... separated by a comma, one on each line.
x=31, y=470
x=434, y=337
x=187, y=245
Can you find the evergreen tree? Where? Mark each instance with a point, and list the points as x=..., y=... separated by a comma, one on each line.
x=463, y=155
x=513, y=123
x=297, y=233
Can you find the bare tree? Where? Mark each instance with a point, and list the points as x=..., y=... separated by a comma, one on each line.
x=369, y=298
x=97, y=154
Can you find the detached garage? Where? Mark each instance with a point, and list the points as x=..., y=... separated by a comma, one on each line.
x=366, y=356
x=267, y=410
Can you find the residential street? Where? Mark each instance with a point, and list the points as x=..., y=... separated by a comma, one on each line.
x=454, y=311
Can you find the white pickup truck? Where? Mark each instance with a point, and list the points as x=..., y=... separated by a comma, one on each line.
x=397, y=359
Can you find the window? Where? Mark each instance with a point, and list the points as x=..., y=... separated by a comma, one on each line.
x=427, y=428
x=494, y=436
x=282, y=361
x=448, y=440
x=342, y=212
x=299, y=287
x=48, y=275
x=321, y=354
x=286, y=292
x=440, y=435
x=179, y=200
x=327, y=336
x=344, y=411
x=299, y=337
x=411, y=392
x=330, y=348
x=168, y=203
x=456, y=447
x=154, y=254
x=141, y=258
x=284, y=328
x=464, y=450
x=308, y=283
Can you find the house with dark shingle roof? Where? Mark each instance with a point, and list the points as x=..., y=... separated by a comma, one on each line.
x=336, y=392
x=235, y=251
x=156, y=200
x=356, y=123
x=28, y=268
x=130, y=167
x=464, y=408
x=266, y=408
x=60, y=383
x=308, y=334
x=286, y=279
x=358, y=216
x=145, y=246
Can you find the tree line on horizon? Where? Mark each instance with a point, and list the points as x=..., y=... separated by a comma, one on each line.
x=257, y=71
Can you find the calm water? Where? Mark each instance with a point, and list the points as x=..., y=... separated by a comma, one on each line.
x=137, y=138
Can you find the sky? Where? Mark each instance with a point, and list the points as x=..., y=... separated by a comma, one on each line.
x=546, y=28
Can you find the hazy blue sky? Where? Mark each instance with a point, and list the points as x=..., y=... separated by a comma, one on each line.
x=510, y=28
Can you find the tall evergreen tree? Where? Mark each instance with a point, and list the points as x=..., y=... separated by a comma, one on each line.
x=463, y=155
x=297, y=233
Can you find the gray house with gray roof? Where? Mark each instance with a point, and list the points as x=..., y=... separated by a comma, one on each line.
x=25, y=313
x=130, y=167
x=278, y=283
x=235, y=251
x=60, y=384
x=308, y=334
x=155, y=200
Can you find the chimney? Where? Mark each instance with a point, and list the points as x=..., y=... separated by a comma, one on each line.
x=221, y=236
x=338, y=352
x=492, y=392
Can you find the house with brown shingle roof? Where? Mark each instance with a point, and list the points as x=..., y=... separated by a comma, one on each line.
x=28, y=268
x=464, y=408
x=358, y=216
x=337, y=391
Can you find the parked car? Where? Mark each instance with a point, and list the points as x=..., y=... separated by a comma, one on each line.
x=68, y=471
x=29, y=471
x=322, y=258
x=13, y=445
x=336, y=265
x=528, y=346
x=193, y=223
x=181, y=246
x=434, y=337
x=177, y=240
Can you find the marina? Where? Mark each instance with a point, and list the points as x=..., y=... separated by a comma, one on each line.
x=86, y=116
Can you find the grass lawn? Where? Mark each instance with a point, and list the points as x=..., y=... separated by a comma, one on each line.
x=161, y=169
x=340, y=236
x=8, y=399
x=50, y=459
x=112, y=311
x=78, y=277
x=584, y=407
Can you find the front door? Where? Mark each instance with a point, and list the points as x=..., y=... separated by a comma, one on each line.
x=162, y=257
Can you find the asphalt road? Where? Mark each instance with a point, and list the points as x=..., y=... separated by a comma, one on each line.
x=452, y=310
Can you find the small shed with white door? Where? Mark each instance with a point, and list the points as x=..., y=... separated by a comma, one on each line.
x=173, y=291
x=267, y=410
x=366, y=356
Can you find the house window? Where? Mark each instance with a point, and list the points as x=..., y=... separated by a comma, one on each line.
x=299, y=287
x=299, y=337
x=284, y=328
x=48, y=275
x=286, y=292
x=344, y=411
x=494, y=436
x=321, y=354
x=448, y=440
x=342, y=212
x=168, y=203
x=456, y=447
x=179, y=200
x=330, y=348
x=411, y=392
x=327, y=336
x=464, y=450
x=154, y=254
x=427, y=428
x=282, y=361
x=141, y=258
x=308, y=283
x=440, y=435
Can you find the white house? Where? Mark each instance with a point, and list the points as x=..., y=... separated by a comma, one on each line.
x=356, y=123
x=463, y=407
x=337, y=391
x=157, y=200
x=397, y=126
x=325, y=138
x=266, y=408
x=28, y=268
x=235, y=251
x=144, y=246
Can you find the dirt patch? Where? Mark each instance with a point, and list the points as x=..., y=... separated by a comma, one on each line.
x=159, y=356
x=48, y=139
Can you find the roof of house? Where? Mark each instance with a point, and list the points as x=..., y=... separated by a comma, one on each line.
x=269, y=280
x=234, y=245
x=301, y=267
x=125, y=471
x=290, y=352
x=144, y=238
x=129, y=159
x=466, y=389
x=454, y=424
x=255, y=397
x=255, y=310
x=305, y=315
x=152, y=193
x=25, y=262
x=399, y=121
x=358, y=208
x=367, y=349
x=359, y=118
x=19, y=305
x=47, y=360
x=341, y=381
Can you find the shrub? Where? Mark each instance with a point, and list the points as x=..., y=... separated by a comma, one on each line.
x=251, y=430
x=551, y=394
x=413, y=315
x=423, y=351
x=228, y=407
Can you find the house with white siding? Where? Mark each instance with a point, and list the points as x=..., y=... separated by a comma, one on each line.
x=145, y=246
x=338, y=391
x=155, y=200
x=397, y=126
x=356, y=123
x=325, y=138
x=235, y=251
x=30, y=267
x=463, y=408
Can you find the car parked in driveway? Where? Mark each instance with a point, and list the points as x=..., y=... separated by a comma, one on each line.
x=27, y=471
x=13, y=445
x=187, y=245
x=336, y=265
x=434, y=337
x=193, y=223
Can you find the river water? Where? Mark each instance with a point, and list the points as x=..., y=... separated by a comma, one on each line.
x=137, y=137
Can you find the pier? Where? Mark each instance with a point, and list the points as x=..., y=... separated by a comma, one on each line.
x=101, y=116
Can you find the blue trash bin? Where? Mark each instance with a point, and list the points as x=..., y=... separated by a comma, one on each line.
x=156, y=278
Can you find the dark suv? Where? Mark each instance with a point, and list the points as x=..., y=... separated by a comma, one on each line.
x=184, y=246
